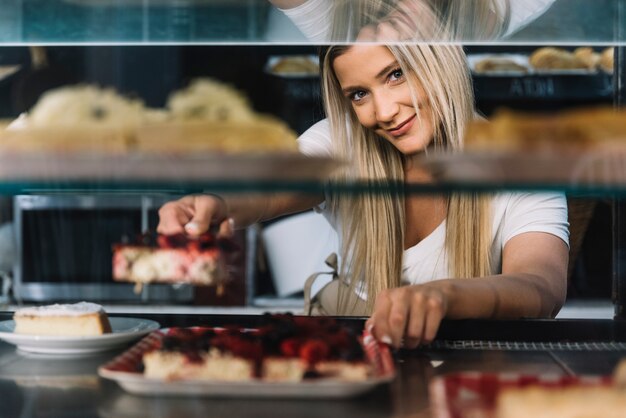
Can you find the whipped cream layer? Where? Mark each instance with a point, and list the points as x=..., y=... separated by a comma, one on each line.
x=75, y=309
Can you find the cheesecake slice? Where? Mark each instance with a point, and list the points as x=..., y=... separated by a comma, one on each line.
x=79, y=319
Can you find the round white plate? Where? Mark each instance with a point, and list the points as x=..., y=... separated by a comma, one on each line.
x=124, y=330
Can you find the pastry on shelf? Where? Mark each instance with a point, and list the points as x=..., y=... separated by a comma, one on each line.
x=263, y=134
x=586, y=129
x=213, y=117
x=86, y=105
x=79, y=319
x=75, y=119
x=209, y=100
x=607, y=58
x=588, y=56
x=206, y=117
x=499, y=65
x=552, y=59
x=292, y=65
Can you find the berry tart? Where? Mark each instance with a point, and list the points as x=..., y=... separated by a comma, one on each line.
x=285, y=348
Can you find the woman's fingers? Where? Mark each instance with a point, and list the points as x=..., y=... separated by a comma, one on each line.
x=379, y=320
x=415, y=326
x=174, y=215
x=227, y=228
x=208, y=209
x=408, y=316
x=191, y=214
x=399, y=315
x=436, y=309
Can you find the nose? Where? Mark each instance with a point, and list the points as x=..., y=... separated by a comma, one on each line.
x=386, y=107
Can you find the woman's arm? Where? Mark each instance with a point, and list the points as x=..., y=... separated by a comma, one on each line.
x=194, y=214
x=533, y=284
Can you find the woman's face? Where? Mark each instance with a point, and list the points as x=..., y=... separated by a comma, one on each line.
x=371, y=79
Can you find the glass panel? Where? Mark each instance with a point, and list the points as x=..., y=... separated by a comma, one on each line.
x=258, y=22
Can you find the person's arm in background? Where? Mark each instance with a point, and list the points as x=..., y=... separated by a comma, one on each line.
x=312, y=17
x=524, y=12
x=196, y=213
x=533, y=284
x=287, y=4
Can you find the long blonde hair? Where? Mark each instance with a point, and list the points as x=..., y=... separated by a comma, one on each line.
x=372, y=224
x=467, y=20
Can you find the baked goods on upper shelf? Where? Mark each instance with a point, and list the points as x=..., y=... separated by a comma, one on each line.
x=551, y=58
x=495, y=64
x=79, y=319
x=86, y=105
x=546, y=60
x=588, y=129
x=296, y=65
x=209, y=100
x=208, y=116
x=606, y=60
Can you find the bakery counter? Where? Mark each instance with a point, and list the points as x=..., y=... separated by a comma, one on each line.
x=37, y=386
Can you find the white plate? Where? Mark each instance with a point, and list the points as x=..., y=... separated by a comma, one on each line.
x=137, y=384
x=125, y=330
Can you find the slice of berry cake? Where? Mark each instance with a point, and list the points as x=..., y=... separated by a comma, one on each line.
x=285, y=348
x=173, y=259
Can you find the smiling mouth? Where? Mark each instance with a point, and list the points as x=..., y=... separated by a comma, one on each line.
x=404, y=126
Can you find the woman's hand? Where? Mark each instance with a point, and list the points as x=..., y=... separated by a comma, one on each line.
x=408, y=316
x=194, y=215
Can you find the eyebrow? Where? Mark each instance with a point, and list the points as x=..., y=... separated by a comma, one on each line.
x=380, y=74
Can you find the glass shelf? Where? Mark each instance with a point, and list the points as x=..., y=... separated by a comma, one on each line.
x=177, y=187
x=27, y=22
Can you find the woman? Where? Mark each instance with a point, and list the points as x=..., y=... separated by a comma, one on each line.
x=393, y=20
x=414, y=259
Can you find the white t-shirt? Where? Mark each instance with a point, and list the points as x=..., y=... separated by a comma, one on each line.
x=314, y=17
x=513, y=213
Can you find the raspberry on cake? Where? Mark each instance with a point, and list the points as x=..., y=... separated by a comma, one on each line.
x=173, y=259
x=79, y=319
x=284, y=349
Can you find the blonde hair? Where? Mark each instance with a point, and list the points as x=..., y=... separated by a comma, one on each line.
x=449, y=19
x=372, y=224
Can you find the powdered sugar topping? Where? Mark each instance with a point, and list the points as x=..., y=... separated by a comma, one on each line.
x=76, y=309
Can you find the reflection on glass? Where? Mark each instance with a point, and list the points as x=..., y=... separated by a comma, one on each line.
x=254, y=21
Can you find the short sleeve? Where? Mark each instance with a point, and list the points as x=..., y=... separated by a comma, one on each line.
x=524, y=12
x=536, y=212
x=316, y=141
x=313, y=18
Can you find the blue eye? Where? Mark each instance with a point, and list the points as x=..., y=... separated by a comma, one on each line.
x=358, y=95
x=396, y=75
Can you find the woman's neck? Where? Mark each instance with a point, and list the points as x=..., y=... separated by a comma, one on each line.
x=414, y=171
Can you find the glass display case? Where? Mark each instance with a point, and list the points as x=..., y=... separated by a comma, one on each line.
x=68, y=210
x=148, y=49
